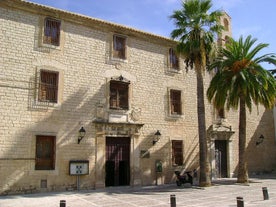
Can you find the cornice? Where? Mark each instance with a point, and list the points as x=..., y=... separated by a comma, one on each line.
x=87, y=21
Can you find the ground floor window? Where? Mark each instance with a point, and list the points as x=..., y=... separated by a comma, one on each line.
x=45, y=152
x=48, y=86
x=177, y=152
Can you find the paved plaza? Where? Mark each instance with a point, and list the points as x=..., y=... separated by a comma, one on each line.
x=224, y=192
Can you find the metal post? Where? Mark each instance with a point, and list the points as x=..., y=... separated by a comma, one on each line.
x=265, y=193
x=240, y=202
x=78, y=182
x=62, y=203
x=173, y=201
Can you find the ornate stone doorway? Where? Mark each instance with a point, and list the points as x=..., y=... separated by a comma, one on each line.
x=117, y=160
x=117, y=164
x=220, y=146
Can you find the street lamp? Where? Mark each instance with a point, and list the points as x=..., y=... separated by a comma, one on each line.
x=156, y=137
x=82, y=133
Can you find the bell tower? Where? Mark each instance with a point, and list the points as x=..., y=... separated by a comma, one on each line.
x=225, y=21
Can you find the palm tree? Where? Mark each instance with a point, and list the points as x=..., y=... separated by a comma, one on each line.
x=241, y=81
x=195, y=31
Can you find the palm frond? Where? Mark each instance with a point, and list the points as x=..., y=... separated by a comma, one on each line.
x=195, y=30
x=250, y=81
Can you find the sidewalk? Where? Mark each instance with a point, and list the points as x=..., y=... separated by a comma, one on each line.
x=222, y=193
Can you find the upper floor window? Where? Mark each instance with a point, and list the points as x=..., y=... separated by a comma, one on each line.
x=51, y=32
x=177, y=152
x=118, y=95
x=173, y=59
x=175, y=102
x=48, y=86
x=119, y=47
x=45, y=152
x=221, y=113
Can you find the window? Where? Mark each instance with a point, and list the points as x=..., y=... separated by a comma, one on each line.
x=177, y=152
x=226, y=24
x=45, y=153
x=118, y=95
x=119, y=47
x=175, y=102
x=48, y=86
x=173, y=59
x=51, y=32
x=227, y=39
x=221, y=113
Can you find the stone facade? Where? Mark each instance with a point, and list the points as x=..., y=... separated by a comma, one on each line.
x=85, y=66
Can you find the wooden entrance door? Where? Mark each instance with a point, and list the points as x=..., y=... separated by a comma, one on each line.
x=117, y=167
x=221, y=158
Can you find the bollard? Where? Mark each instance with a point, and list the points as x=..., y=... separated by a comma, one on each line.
x=265, y=193
x=240, y=202
x=62, y=203
x=173, y=201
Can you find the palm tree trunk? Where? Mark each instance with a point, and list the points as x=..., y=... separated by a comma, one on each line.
x=242, y=167
x=205, y=178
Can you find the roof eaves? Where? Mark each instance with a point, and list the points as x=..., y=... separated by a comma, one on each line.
x=31, y=6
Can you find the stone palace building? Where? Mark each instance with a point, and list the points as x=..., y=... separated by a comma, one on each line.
x=87, y=104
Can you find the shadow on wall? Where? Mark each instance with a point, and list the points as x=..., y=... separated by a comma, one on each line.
x=63, y=122
x=17, y=160
x=23, y=121
x=260, y=152
x=156, y=153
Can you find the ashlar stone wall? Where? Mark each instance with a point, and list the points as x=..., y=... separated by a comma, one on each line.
x=83, y=61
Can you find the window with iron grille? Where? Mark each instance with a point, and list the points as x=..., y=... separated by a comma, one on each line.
x=175, y=102
x=48, y=86
x=51, y=31
x=118, y=97
x=119, y=47
x=177, y=152
x=221, y=113
x=45, y=152
x=173, y=59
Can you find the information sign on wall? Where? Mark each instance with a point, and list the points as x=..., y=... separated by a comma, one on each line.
x=79, y=167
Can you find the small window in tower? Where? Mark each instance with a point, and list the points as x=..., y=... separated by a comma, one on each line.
x=221, y=113
x=226, y=24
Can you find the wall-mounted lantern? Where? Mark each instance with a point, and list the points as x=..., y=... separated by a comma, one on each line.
x=260, y=140
x=156, y=137
x=82, y=133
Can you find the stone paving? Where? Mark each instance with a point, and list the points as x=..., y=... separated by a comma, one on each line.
x=223, y=193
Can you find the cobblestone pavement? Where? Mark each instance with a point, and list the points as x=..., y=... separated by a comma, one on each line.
x=224, y=192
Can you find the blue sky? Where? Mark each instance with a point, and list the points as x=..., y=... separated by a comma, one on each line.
x=249, y=17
